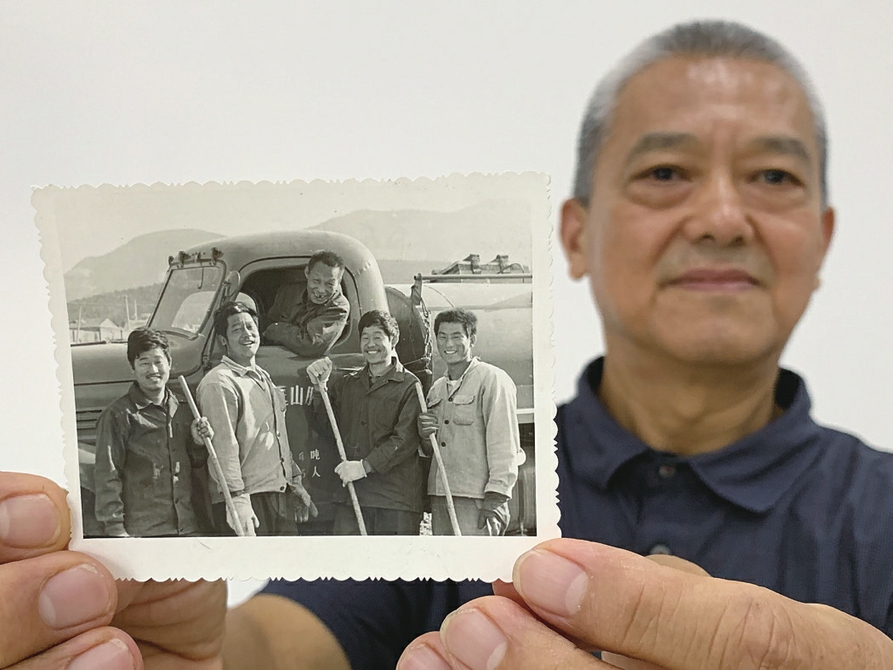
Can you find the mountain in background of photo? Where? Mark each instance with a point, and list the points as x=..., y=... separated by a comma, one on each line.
x=140, y=262
x=404, y=242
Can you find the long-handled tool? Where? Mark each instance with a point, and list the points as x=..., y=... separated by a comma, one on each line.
x=215, y=463
x=321, y=385
x=454, y=521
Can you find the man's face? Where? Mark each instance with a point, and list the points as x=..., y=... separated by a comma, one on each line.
x=376, y=346
x=453, y=343
x=322, y=282
x=705, y=232
x=152, y=369
x=242, y=337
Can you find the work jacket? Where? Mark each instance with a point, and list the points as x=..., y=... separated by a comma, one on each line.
x=478, y=432
x=306, y=328
x=377, y=421
x=247, y=412
x=144, y=460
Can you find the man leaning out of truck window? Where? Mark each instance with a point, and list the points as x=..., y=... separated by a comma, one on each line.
x=472, y=414
x=312, y=325
x=147, y=447
x=376, y=409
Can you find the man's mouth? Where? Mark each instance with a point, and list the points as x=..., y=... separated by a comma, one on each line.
x=714, y=279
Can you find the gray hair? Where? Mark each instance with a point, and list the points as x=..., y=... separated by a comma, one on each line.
x=697, y=38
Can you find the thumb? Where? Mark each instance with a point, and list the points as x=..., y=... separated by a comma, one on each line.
x=614, y=600
x=676, y=563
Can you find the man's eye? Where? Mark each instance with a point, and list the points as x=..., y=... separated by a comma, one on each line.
x=777, y=177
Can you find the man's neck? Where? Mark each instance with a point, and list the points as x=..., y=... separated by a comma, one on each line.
x=154, y=397
x=674, y=407
x=378, y=369
x=456, y=370
x=244, y=362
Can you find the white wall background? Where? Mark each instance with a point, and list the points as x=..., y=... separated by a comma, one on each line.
x=95, y=92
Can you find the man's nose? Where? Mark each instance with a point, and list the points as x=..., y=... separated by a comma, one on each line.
x=720, y=216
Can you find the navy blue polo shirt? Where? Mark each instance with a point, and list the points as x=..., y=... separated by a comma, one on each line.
x=801, y=509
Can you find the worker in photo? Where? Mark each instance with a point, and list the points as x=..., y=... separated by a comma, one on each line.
x=472, y=417
x=375, y=410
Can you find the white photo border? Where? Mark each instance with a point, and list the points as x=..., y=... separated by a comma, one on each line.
x=312, y=557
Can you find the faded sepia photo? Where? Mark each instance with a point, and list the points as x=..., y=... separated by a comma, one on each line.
x=308, y=364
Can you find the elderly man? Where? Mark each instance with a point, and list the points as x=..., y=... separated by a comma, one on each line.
x=701, y=222
x=311, y=324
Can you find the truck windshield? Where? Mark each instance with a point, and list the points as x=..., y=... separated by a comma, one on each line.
x=186, y=299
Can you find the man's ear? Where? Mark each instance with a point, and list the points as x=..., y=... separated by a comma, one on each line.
x=307, y=270
x=573, y=237
x=221, y=340
x=828, y=217
x=472, y=340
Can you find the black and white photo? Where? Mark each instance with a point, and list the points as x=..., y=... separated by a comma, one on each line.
x=312, y=363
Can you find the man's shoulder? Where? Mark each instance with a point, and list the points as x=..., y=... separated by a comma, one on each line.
x=864, y=472
x=220, y=375
x=489, y=371
x=119, y=407
x=341, y=302
x=406, y=378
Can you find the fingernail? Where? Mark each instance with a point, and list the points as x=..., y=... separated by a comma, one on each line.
x=28, y=521
x=74, y=596
x=421, y=657
x=473, y=639
x=111, y=655
x=551, y=582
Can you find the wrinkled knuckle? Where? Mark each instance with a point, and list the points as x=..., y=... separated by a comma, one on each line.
x=762, y=634
x=637, y=629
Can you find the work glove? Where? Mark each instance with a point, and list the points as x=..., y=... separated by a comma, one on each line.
x=494, y=514
x=305, y=508
x=245, y=516
x=350, y=471
x=427, y=424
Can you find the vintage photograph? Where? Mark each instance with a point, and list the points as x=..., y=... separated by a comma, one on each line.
x=311, y=362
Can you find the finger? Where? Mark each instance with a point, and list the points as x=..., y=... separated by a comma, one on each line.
x=106, y=648
x=49, y=599
x=425, y=653
x=678, y=564
x=34, y=516
x=183, y=617
x=621, y=602
x=671, y=562
x=497, y=634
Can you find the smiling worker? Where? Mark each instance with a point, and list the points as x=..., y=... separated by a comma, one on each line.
x=376, y=409
x=312, y=324
x=473, y=415
x=147, y=445
x=247, y=412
